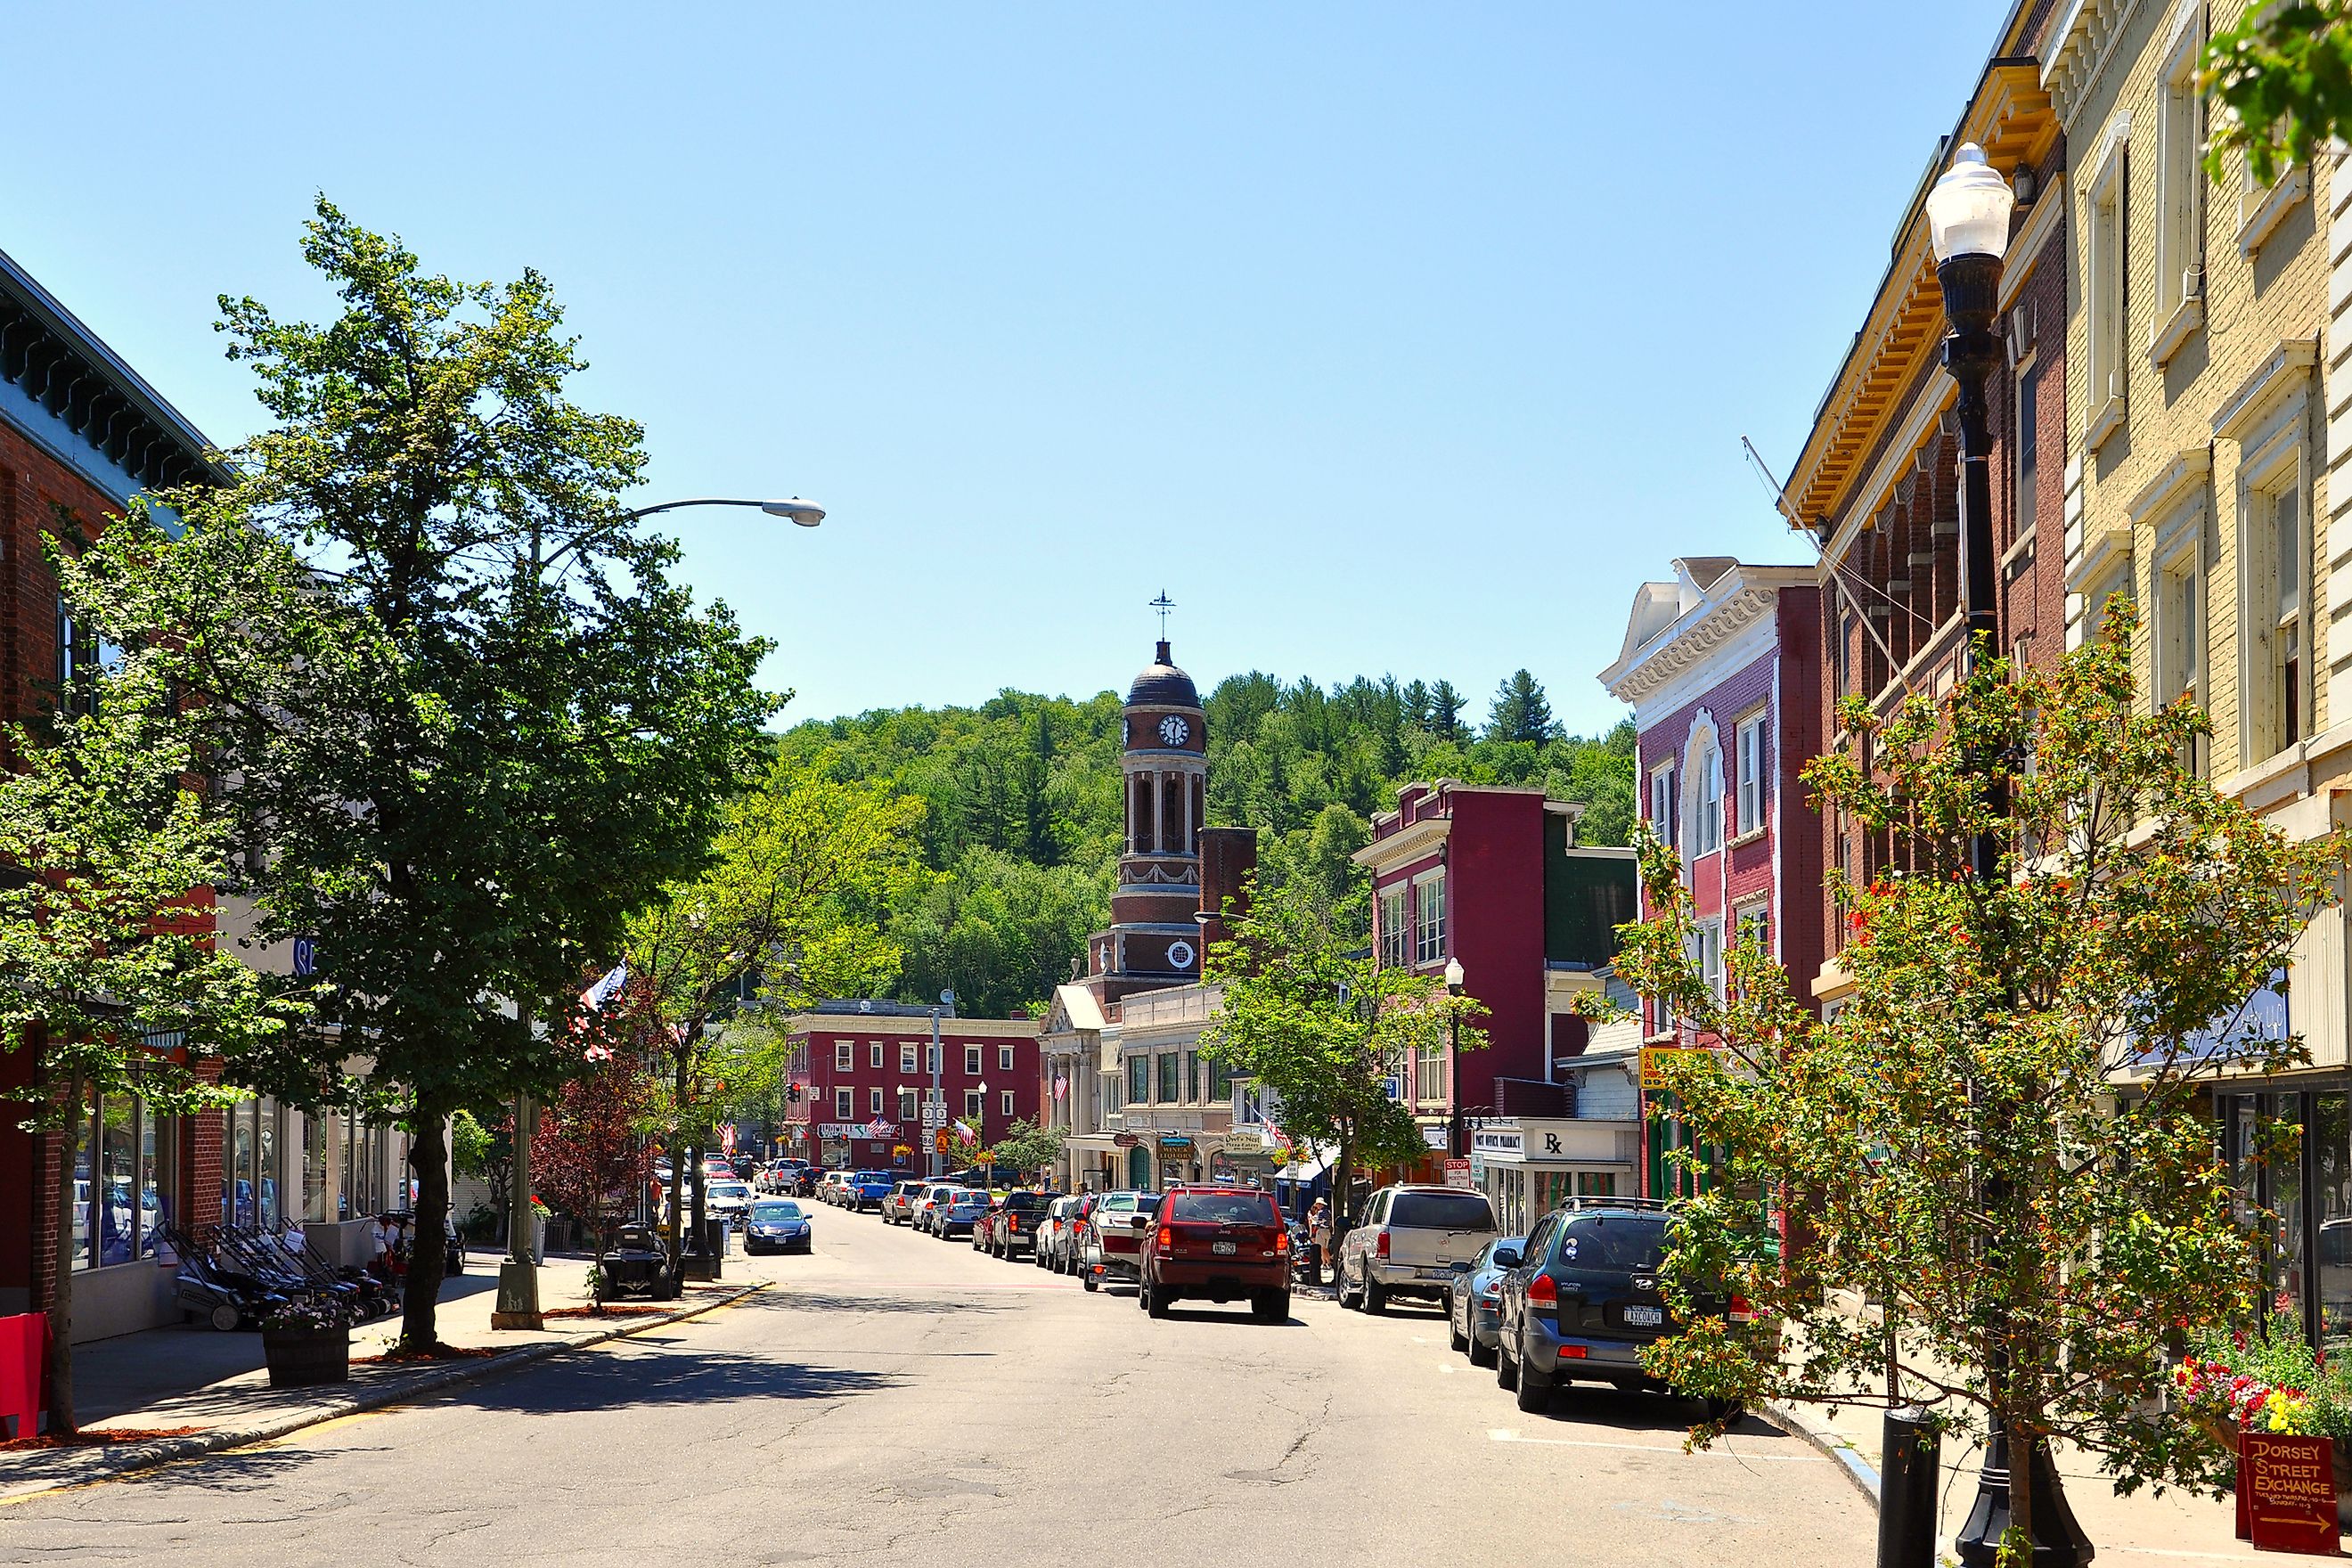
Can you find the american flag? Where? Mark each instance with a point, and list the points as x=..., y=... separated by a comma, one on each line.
x=597, y=996
x=877, y=1128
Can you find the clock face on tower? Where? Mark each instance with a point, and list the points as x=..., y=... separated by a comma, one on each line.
x=1173, y=729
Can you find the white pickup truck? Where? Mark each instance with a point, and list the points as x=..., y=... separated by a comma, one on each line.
x=1112, y=1246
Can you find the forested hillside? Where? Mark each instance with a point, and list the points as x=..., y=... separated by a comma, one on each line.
x=1023, y=822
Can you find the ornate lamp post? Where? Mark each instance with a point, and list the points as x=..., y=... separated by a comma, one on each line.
x=1969, y=212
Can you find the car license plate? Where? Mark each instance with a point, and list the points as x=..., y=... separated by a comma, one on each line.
x=1645, y=1317
x=1225, y=1249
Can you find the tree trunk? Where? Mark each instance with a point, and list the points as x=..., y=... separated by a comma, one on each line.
x=675, y=1198
x=60, y=1395
x=428, y=1157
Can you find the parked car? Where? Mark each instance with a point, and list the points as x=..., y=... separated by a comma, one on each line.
x=1474, y=1299
x=1055, y=1227
x=1408, y=1242
x=1217, y=1243
x=1011, y=1228
x=728, y=1199
x=931, y=1203
x=829, y=1186
x=1584, y=1300
x=778, y=1224
x=959, y=1210
x=898, y=1208
x=1112, y=1241
x=865, y=1189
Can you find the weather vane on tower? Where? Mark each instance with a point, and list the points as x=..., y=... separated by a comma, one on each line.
x=1163, y=605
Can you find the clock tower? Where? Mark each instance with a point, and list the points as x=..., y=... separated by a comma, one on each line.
x=1155, y=938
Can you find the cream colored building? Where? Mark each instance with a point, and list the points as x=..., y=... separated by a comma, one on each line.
x=2204, y=399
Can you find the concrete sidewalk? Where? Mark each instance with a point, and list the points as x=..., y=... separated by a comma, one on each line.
x=2141, y=1529
x=199, y=1378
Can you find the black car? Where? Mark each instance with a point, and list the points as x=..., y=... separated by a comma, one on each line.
x=1584, y=1301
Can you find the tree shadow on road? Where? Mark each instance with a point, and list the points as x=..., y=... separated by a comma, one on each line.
x=679, y=1375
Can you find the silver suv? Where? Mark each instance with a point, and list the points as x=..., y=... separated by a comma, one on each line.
x=1409, y=1243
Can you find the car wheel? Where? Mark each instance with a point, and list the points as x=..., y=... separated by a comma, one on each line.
x=1158, y=1302
x=1534, y=1390
x=1340, y=1286
x=1454, y=1338
x=1376, y=1295
x=1271, y=1307
x=1506, y=1370
x=1481, y=1354
x=1092, y=1283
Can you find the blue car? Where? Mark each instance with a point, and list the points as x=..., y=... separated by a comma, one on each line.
x=777, y=1225
x=867, y=1190
x=1474, y=1315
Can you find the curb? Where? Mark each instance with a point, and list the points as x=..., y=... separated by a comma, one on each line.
x=1818, y=1434
x=132, y=1457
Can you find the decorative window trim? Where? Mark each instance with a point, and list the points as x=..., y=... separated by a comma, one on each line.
x=2282, y=458
x=2262, y=209
x=2105, y=273
x=2180, y=250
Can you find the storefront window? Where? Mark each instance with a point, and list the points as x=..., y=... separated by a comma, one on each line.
x=2331, y=1168
x=265, y=1163
x=314, y=1166
x=2286, y=1202
x=121, y=1183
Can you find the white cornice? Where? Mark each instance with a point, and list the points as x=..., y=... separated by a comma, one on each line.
x=2188, y=468
x=1418, y=842
x=2079, y=51
x=1744, y=596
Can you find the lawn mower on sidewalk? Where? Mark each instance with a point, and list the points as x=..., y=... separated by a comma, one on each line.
x=223, y=1296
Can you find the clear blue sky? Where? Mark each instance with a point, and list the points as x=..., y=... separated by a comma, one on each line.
x=1386, y=338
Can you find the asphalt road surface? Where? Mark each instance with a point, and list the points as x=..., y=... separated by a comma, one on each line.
x=894, y=1399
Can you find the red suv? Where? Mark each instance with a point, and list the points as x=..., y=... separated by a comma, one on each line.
x=1220, y=1243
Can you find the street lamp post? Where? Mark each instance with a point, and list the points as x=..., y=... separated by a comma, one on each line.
x=1969, y=214
x=1454, y=976
x=516, y=1305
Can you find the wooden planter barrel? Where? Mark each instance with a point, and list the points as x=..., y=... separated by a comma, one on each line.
x=297, y=1358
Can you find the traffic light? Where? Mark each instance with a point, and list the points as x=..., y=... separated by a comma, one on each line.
x=792, y=1094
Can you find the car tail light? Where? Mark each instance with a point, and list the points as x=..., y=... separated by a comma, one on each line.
x=1167, y=1238
x=1282, y=1241
x=1380, y=1245
x=1742, y=1312
x=1542, y=1291
x=1572, y=1352
x=1012, y=1222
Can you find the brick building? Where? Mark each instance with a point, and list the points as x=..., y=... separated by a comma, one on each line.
x=865, y=1070
x=1493, y=879
x=1877, y=484
x=80, y=433
x=1721, y=665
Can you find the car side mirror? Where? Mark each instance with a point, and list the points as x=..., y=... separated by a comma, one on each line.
x=1461, y=1268
x=1507, y=1258
x=1139, y=1222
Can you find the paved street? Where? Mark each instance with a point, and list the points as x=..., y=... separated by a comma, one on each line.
x=895, y=1396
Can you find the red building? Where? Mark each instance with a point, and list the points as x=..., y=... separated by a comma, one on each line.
x=80, y=433
x=865, y=1072
x=1493, y=880
x=1722, y=667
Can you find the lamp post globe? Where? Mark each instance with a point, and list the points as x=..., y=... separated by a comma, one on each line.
x=1968, y=208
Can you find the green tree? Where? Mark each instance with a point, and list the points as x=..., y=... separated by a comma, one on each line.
x=105, y=936
x=465, y=718
x=791, y=909
x=1027, y=1146
x=1445, y=705
x=1521, y=713
x=1312, y=1020
x=2282, y=84
x=2004, y=1136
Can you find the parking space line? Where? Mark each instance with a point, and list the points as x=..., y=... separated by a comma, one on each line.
x=1505, y=1435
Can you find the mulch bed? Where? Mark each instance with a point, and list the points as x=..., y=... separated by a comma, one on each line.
x=431, y=1352
x=101, y=1438
x=607, y=1313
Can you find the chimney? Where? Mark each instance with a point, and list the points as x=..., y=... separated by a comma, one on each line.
x=1228, y=854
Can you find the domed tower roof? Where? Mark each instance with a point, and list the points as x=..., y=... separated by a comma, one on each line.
x=1163, y=685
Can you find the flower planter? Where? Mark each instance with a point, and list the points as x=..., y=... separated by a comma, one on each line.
x=298, y=1358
